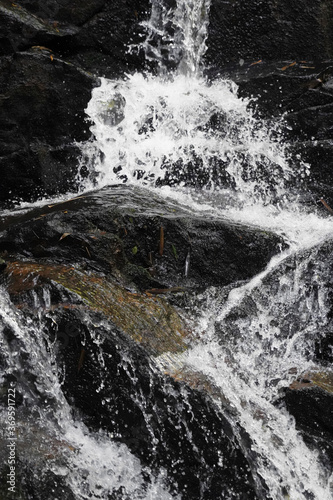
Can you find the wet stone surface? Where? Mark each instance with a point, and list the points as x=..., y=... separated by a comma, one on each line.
x=150, y=242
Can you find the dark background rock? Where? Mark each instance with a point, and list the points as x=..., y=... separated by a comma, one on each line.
x=282, y=91
x=269, y=29
x=20, y=30
x=275, y=35
x=96, y=35
x=42, y=104
x=46, y=51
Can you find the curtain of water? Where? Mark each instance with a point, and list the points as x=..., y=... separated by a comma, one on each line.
x=177, y=34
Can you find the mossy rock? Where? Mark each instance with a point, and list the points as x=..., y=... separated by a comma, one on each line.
x=148, y=319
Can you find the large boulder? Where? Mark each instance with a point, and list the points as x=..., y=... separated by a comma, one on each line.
x=148, y=243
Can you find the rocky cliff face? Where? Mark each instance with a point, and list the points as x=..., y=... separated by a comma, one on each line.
x=50, y=56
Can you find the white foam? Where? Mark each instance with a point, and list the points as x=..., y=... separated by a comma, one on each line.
x=146, y=126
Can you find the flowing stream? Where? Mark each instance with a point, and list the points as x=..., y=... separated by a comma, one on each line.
x=196, y=142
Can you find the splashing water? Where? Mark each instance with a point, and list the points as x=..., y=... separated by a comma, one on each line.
x=91, y=464
x=253, y=341
x=184, y=132
x=177, y=129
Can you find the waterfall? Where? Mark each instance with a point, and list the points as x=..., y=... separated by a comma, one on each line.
x=176, y=36
x=255, y=342
x=178, y=129
x=176, y=133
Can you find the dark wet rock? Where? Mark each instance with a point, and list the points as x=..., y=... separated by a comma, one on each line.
x=279, y=87
x=32, y=483
x=42, y=114
x=20, y=30
x=269, y=30
x=310, y=400
x=318, y=155
x=114, y=112
x=195, y=174
x=104, y=41
x=324, y=346
x=80, y=263
x=67, y=11
x=147, y=319
x=96, y=35
x=46, y=50
x=112, y=385
x=147, y=242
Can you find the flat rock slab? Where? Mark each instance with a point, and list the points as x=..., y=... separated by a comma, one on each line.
x=147, y=319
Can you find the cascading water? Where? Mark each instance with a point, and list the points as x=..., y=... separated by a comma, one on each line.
x=99, y=465
x=178, y=129
x=252, y=345
x=175, y=132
